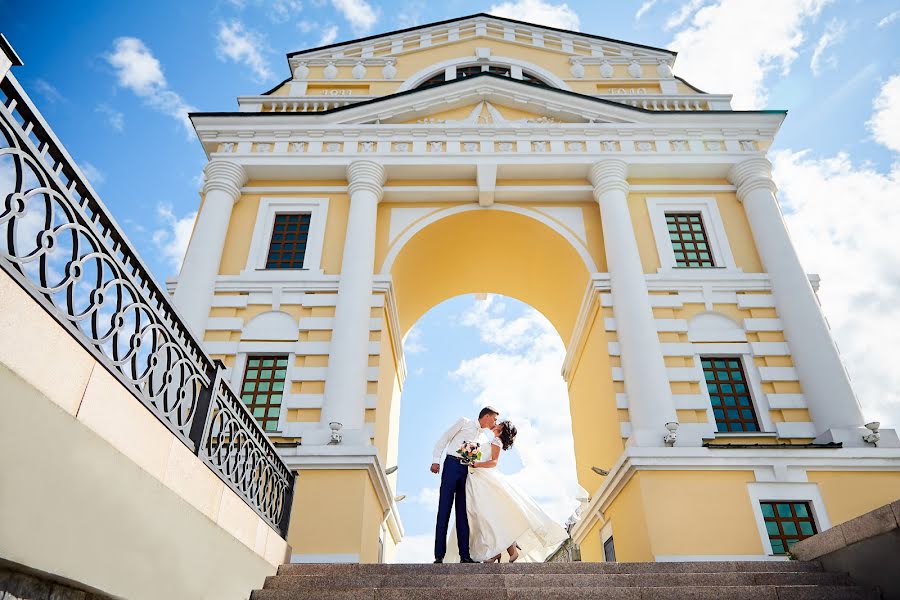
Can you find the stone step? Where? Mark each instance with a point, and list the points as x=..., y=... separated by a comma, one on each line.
x=428, y=570
x=767, y=592
x=325, y=582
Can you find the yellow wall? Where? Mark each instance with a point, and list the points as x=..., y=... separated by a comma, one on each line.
x=847, y=495
x=592, y=402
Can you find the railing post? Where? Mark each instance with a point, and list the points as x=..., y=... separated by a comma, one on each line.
x=201, y=410
x=285, y=520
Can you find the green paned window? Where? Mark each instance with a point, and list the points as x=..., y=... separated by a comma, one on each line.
x=689, y=240
x=287, y=247
x=262, y=387
x=787, y=523
x=722, y=376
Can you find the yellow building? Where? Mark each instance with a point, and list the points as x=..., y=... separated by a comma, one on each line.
x=575, y=173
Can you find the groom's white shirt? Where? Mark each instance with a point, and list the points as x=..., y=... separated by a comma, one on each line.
x=464, y=430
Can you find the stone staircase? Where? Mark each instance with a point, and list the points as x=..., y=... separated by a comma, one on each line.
x=789, y=580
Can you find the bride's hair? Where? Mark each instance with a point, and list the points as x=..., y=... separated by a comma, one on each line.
x=507, y=434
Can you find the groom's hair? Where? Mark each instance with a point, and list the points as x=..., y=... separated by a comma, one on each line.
x=488, y=410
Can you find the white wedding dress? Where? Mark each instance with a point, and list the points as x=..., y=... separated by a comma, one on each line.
x=501, y=513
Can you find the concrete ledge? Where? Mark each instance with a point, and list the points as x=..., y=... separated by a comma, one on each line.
x=867, y=547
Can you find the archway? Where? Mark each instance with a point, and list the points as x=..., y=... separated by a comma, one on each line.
x=520, y=253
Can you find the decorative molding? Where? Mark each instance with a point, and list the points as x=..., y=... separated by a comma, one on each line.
x=712, y=222
x=752, y=174
x=225, y=176
x=269, y=208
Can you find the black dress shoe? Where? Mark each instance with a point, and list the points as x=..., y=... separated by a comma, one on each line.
x=438, y=561
x=466, y=560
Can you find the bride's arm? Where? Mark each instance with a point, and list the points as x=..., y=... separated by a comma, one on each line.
x=489, y=464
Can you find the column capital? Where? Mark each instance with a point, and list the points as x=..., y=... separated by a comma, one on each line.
x=607, y=175
x=366, y=175
x=225, y=176
x=752, y=174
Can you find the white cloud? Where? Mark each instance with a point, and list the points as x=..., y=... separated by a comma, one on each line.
x=94, y=175
x=172, y=238
x=427, y=497
x=889, y=19
x=329, y=34
x=539, y=13
x=48, y=91
x=412, y=343
x=644, y=8
x=522, y=379
x=415, y=549
x=281, y=11
x=684, y=13
x=359, y=13
x=834, y=33
x=243, y=46
x=114, y=118
x=139, y=71
x=731, y=46
x=885, y=121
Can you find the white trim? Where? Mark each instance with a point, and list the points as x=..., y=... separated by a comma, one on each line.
x=712, y=223
x=606, y=532
x=775, y=491
x=324, y=558
x=758, y=397
x=422, y=75
x=265, y=221
x=448, y=212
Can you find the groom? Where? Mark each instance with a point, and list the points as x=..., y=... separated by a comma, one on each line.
x=453, y=481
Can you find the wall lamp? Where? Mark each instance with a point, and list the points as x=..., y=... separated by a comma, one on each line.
x=599, y=471
x=672, y=428
x=391, y=470
x=872, y=438
x=400, y=498
x=336, y=436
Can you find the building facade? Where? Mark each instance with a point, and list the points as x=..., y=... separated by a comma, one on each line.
x=577, y=174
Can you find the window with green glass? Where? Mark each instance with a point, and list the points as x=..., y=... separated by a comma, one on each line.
x=787, y=522
x=263, y=388
x=689, y=240
x=287, y=248
x=729, y=394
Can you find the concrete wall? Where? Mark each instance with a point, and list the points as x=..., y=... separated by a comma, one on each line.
x=95, y=490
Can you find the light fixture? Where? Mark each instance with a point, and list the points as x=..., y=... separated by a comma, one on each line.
x=400, y=498
x=872, y=438
x=336, y=436
x=672, y=428
x=391, y=470
x=599, y=471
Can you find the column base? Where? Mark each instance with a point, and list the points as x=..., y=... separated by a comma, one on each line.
x=852, y=437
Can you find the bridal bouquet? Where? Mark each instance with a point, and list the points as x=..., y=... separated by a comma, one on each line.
x=469, y=452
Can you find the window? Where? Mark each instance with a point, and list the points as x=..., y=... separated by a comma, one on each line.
x=689, y=240
x=462, y=72
x=439, y=78
x=609, y=550
x=263, y=388
x=287, y=247
x=729, y=394
x=787, y=523
x=469, y=70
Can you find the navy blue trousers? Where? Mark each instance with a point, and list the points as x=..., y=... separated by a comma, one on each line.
x=453, y=486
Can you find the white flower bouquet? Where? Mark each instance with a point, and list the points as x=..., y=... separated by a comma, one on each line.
x=469, y=452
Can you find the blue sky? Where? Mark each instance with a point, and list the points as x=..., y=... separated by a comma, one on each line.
x=115, y=81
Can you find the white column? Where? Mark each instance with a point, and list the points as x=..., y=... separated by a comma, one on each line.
x=825, y=383
x=196, y=282
x=650, y=401
x=345, y=384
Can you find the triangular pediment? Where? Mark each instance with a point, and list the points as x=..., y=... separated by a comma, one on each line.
x=485, y=101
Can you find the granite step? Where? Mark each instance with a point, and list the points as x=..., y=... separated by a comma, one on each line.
x=282, y=582
x=560, y=568
x=767, y=592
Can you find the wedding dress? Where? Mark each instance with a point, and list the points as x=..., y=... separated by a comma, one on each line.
x=501, y=513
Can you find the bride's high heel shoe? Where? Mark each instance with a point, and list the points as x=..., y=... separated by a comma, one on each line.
x=514, y=557
x=495, y=559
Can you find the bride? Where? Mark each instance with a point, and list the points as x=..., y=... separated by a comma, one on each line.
x=501, y=516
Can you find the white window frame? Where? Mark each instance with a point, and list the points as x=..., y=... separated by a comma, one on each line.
x=712, y=225
x=317, y=208
x=606, y=532
x=757, y=396
x=784, y=492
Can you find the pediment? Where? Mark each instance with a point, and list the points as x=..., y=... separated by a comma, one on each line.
x=486, y=101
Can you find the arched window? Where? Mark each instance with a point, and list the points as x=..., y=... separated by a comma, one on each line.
x=464, y=71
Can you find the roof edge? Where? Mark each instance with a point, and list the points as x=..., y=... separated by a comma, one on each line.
x=472, y=16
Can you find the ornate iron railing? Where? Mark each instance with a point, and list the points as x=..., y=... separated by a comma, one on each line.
x=60, y=243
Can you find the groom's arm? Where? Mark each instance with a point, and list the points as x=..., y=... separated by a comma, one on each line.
x=444, y=440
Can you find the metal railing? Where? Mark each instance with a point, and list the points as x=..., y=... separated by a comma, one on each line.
x=60, y=243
